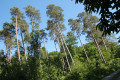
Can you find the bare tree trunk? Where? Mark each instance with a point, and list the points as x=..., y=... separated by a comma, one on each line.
x=65, y=54
x=17, y=41
x=55, y=45
x=56, y=48
x=99, y=51
x=27, y=52
x=6, y=50
x=10, y=54
x=104, y=44
x=45, y=49
x=58, y=42
x=83, y=47
x=60, y=49
x=64, y=42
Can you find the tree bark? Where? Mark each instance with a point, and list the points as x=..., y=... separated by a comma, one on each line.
x=10, y=54
x=83, y=47
x=60, y=49
x=27, y=52
x=104, y=43
x=99, y=50
x=6, y=50
x=65, y=54
x=55, y=45
x=17, y=41
x=64, y=41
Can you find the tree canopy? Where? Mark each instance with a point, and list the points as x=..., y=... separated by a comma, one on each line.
x=110, y=13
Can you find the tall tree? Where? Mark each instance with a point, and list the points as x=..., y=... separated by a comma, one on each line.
x=55, y=14
x=76, y=27
x=34, y=16
x=51, y=28
x=16, y=13
x=89, y=23
x=6, y=34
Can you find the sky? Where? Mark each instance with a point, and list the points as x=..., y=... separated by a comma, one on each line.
x=71, y=10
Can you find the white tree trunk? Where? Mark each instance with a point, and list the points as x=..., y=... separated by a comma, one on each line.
x=17, y=41
x=83, y=47
x=99, y=51
x=61, y=35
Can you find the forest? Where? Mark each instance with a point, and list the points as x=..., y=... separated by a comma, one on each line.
x=96, y=59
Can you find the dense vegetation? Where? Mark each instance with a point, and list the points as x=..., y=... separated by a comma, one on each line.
x=91, y=61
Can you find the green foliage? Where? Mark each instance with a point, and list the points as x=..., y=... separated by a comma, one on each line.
x=71, y=39
x=16, y=12
x=109, y=20
x=32, y=13
x=55, y=12
x=35, y=66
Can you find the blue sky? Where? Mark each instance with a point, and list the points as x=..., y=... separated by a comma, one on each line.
x=71, y=10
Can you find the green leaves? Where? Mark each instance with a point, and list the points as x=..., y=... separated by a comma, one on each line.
x=55, y=12
x=32, y=13
x=15, y=11
x=110, y=20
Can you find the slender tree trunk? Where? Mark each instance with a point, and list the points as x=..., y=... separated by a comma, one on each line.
x=56, y=48
x=64, y=41
x=27, y=52
x=45, y=49
x=17, y=41
x=55, y=45
x=10, y=54
x=23, y=43
x=65, y=54
x=60, y=49
x=6, y=50
x=62, y=56
x=83, y=47
x=99, y=50
x=104, y=43
x=58, y=42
